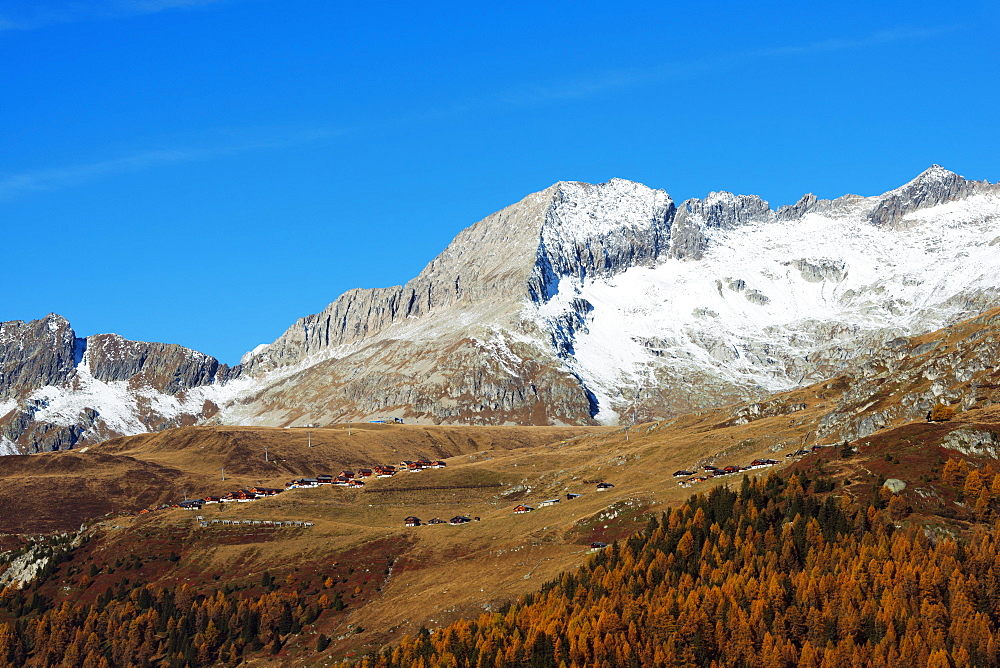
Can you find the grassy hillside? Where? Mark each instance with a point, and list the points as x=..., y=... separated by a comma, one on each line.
x=361, y=579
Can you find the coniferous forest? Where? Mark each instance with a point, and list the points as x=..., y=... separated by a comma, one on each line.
x=775, y=575
x=780, y=572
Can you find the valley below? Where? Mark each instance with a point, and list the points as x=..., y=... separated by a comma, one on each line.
x=90, y=525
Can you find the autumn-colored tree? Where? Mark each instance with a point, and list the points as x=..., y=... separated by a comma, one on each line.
x=941, y=413
x=898, y=508
x=955, y=472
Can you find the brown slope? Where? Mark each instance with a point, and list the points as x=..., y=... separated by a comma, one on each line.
x=59, y=491
x=444, y=572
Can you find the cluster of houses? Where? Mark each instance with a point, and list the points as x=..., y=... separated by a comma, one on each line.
x=347, y=479
x=413, y=521
x=518, y=510
x=521, y=509
x=239, y=496
x=692, y=477
x=715, y=471
x=355, y=479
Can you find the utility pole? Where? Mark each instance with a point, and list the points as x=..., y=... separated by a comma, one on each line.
x=309, y=438
x=265, y=453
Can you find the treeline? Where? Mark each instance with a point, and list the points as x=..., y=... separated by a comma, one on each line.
x=770, y=576
x=137, y=625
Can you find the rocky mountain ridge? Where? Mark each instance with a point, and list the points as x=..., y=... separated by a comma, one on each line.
x=579, y=304
x=58, y=389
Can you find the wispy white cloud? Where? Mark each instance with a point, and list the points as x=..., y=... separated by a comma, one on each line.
x=40, y=180
x=245, y=141
x=604, y=82
x=37, y=14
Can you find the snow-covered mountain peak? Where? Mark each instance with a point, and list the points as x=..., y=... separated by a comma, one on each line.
x=935, y=185
x=567, y=306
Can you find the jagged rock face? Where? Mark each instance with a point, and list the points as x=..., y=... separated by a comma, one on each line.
x=903, y=381
x=579, y=304
x=166, y=367
x=934, y=186
x=586, y=279
x=60, y=390
x=568, y=229
x=36, y=353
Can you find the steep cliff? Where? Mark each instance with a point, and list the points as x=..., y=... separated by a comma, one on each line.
x=59, y=390
x=629, y=306
x=581, y=303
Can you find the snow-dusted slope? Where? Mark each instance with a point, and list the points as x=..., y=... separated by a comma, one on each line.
x=581, y=303
x=57, y=390
x=778, y=303
x=586, y=301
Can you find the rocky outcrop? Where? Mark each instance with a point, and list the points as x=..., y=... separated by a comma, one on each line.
x=166, y=367
x=696, y=219
x=935, y=185
x=570, y=229
x=972, y=441
x=35, y=354
x=569, y=306
x=795, y=211
x=58, y=390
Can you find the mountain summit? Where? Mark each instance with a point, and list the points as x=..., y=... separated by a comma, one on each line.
x=579, y=304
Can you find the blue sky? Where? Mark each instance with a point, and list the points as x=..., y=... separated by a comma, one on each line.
x=203, y=172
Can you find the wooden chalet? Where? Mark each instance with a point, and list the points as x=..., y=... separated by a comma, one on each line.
x=518, y=510
x=355, y=484
x=460, y=519
x=604, y=486
x=324, y=479
x=570, y=496
x=412, y=521
x=549, y=502
x=364, y=473
x=265, y=491
x=436, y=520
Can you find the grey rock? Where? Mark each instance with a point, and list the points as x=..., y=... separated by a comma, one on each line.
x=894, y=485
x=696, y=218
x=166, y=367
x=35, y=354
x=935, y=185
x=46, y=353
x=687, y=236
x=973, y=442
x=795, y=211
x=817, y=271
